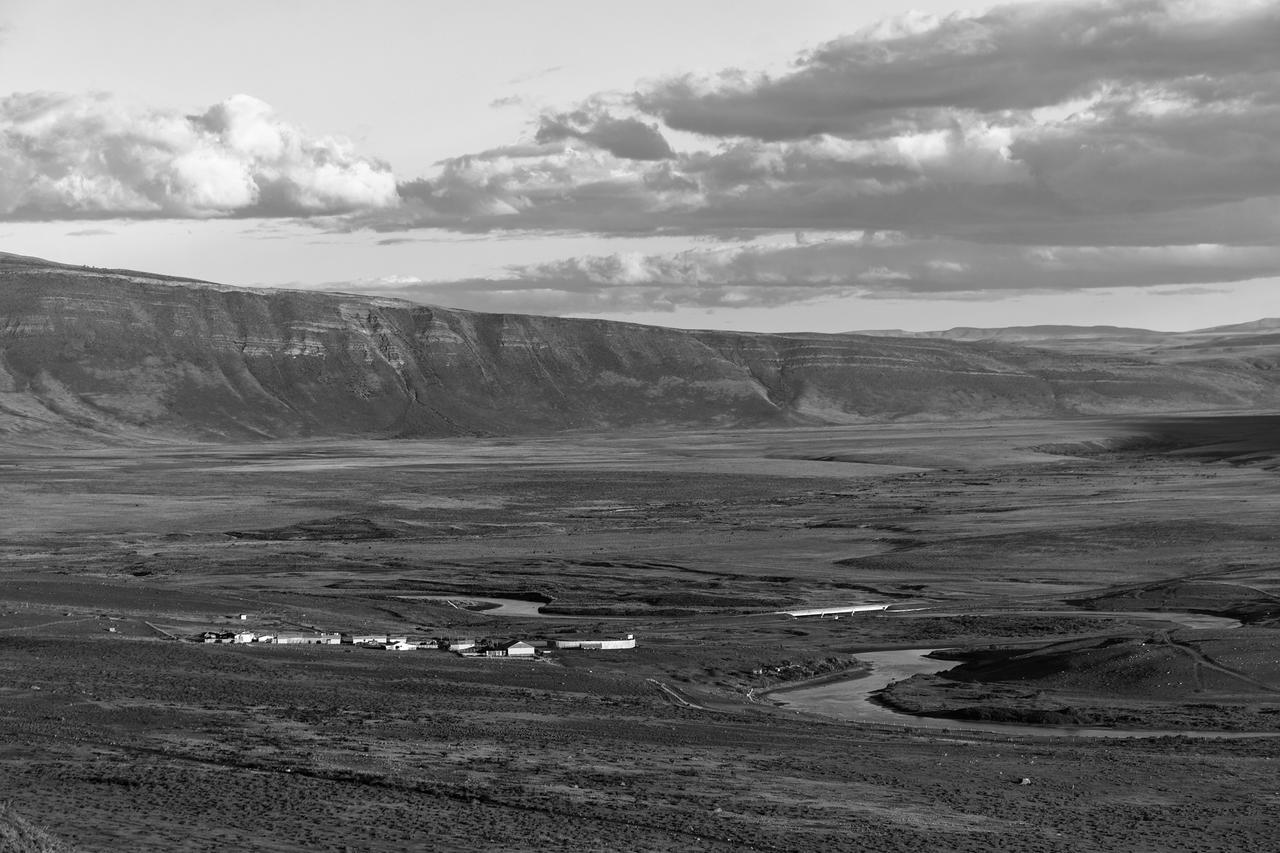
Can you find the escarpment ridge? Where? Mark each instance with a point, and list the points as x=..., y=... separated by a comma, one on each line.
x=120, y=353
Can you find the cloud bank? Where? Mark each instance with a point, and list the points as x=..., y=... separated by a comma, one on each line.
x=1135, y=142
x=74, y=157
x=870, y=265
x=1042, y=114
x=1028, y=148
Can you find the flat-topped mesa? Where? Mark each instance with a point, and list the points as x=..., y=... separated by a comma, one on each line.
x=120, y=353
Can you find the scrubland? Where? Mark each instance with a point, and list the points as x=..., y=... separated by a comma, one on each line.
x=1017, y=543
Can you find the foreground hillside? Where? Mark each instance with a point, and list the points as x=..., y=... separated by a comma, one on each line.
x=122, y=353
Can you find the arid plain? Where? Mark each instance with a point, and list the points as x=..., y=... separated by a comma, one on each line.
x=1058, y=553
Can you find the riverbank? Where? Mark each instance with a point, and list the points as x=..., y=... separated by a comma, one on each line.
x=904, y=686
x=939, y=697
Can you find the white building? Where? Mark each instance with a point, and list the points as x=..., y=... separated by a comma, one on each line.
x=844, y=610
x=575, y=642
x=296, y=638
x=369, y=639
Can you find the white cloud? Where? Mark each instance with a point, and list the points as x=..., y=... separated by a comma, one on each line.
x=68, y=157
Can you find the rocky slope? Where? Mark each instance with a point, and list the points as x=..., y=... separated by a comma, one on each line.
x=119, y=353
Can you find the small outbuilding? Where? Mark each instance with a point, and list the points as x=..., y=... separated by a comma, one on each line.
x=517, y=648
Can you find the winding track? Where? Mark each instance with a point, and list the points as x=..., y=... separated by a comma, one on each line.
x=1202, y=660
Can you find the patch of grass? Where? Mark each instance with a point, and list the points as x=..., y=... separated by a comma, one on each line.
x=19, y=835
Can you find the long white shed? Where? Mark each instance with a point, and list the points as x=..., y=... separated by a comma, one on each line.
x=841, y=610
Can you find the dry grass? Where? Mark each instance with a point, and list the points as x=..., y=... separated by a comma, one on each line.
x=19, y=835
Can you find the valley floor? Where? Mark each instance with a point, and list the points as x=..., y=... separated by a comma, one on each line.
x=117, y=737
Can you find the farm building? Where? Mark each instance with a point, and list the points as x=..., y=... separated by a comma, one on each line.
x=837, y=612
x=511, y=648
x=369, y=639
x=300, y=638
x=579, y=642
x=458, y=644
x=244, y=637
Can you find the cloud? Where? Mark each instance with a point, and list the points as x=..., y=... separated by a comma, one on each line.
x=896, y=265
x=90, y=232
x=868, y=265
x=627, y=138
x=1124, y=122
x=554, y=185
x=76, y=157
x=508, y=101
x=912, y=73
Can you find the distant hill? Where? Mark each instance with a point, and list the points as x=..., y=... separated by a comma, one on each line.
x=1267, y=324
x=124, y=354
x=1023, y=333
x=1097, y=339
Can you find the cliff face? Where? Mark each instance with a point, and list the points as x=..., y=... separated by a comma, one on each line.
x=124, y=353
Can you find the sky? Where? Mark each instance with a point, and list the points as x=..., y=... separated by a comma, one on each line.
x=810, y=165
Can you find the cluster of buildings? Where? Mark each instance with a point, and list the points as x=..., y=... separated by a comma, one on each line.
x=401, y=643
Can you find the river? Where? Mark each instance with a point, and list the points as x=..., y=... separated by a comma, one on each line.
x=850, y=699
x=491, y=606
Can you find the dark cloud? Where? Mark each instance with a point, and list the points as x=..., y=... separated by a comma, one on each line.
x=1129, y=158
x=627, y=138
x=913, y=73
x=87, y=157
x=1026, y=120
